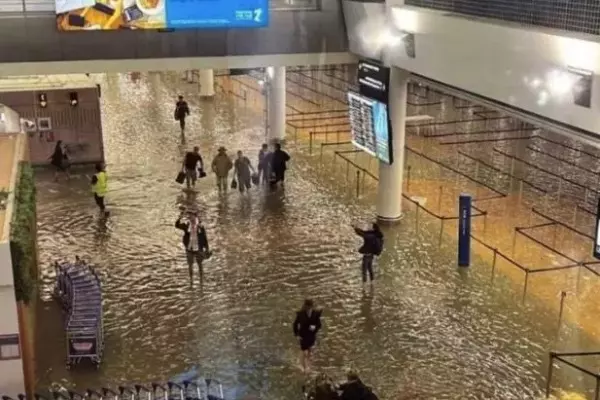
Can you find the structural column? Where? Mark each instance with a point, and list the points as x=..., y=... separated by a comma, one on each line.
x=206, y=80
x=389, y=190
x=276, y=103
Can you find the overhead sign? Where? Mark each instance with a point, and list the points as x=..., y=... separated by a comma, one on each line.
x=373, y=80
x=160, y=14
x=370, y=127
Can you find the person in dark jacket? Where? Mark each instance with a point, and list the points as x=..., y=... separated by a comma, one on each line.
x=372, y=246
x=354, y=389
x=181, y=112
x=279, y=160
x=195, y=242
x=306, y=326
x=60, y=160
x=322, y=388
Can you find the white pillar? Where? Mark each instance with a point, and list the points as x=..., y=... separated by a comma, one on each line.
x=276, y=103
x=389, y=190
x=207, y=82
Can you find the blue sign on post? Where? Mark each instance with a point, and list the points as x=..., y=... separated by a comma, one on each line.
x=464, y=230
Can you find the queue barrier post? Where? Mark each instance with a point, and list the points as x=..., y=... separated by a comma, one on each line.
x=563, y=295
x=417, y=217
x=357, y=183
x=440, y=199
x=550, y=370
x=525, y=285
x=494, y=258
x=408, y=179
x=442, y=220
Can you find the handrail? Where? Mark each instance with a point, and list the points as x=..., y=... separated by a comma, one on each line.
x=544, y=245
x=487, y=140
x=545, y=170
x=313, y=90
x=566, y=146
x=455, y=171
x=502, y=172
x=564, y=225
x=483, y=132
x=561, y=159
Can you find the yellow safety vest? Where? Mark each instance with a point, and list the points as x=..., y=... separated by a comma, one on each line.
x=100, y=187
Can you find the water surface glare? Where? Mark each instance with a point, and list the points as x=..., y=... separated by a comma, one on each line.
x=424, y=329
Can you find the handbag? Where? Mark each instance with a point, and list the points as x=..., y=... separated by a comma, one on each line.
x=201, y=174
x=255, y=179
x=234, y=184
x=180, y=177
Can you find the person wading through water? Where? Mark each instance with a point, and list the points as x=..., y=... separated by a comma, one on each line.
x=306, y=326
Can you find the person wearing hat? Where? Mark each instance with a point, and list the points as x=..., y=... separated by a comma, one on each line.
x=195, y=242
x=221, y=166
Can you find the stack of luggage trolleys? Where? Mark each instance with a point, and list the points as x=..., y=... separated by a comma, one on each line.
x=198, y=389
x=79, y=291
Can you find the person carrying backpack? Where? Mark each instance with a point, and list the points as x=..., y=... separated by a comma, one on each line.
x=372, y=246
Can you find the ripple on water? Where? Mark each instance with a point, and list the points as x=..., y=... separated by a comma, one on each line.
x=423, y=329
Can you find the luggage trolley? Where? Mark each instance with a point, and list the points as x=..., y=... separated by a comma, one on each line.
x=79, y=291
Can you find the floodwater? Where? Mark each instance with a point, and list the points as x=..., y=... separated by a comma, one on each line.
x=425, y=330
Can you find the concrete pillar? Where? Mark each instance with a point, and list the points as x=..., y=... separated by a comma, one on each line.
x=389, y=190
x=276, y=103
x=207, y=82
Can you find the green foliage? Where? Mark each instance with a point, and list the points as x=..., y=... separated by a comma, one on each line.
x=22, y=235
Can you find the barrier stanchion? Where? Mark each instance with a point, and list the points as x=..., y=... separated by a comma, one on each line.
x=357, y=183
x=514, y=241
x=440, y=199
x=310, y=143
x=442, y=220
x=520, y=191
x=408, y=179
x=494, y=263
x=347, y=170
x=563, y=294
x=417, y=217
x=525, y=285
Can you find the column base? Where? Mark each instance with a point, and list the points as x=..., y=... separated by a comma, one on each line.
x=389, y=220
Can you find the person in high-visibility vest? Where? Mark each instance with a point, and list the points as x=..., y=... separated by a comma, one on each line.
x=99, y=186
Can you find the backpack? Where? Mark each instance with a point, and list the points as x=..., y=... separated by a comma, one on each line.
x=378, y=245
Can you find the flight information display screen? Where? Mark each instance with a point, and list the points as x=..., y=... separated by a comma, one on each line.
x=369, y=125
x=160, y=14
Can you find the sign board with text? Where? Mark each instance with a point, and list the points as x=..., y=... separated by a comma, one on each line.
x=373, y=80
x=160, y=14
x=370, y=126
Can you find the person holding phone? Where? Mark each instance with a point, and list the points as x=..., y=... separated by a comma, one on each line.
x=306, y=326
x=372, y=247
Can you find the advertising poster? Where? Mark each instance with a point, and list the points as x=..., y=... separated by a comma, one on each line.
x=382, y=132
x=77, y=15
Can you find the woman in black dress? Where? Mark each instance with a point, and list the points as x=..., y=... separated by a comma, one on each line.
x=306, y=326
x=60, y=160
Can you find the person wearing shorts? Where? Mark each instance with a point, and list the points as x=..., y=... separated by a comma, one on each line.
x=306, y=326
x=191, y=164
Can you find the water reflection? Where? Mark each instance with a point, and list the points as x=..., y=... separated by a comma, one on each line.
x=422, y=329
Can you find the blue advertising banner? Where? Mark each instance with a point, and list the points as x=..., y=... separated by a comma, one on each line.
x=464, y=230
x=160, y=14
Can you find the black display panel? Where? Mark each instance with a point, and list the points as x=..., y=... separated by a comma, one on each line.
x=370, y=126
x=373, y=80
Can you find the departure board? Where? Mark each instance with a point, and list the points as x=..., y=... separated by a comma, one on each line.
x=369, y=125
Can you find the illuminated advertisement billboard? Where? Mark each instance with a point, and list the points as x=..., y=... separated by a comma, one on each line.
x=370, y=127
x=77, y=15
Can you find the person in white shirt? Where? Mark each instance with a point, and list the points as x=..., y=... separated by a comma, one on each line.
x=195, y=242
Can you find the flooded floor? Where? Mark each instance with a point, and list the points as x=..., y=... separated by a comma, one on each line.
x=425, y=330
